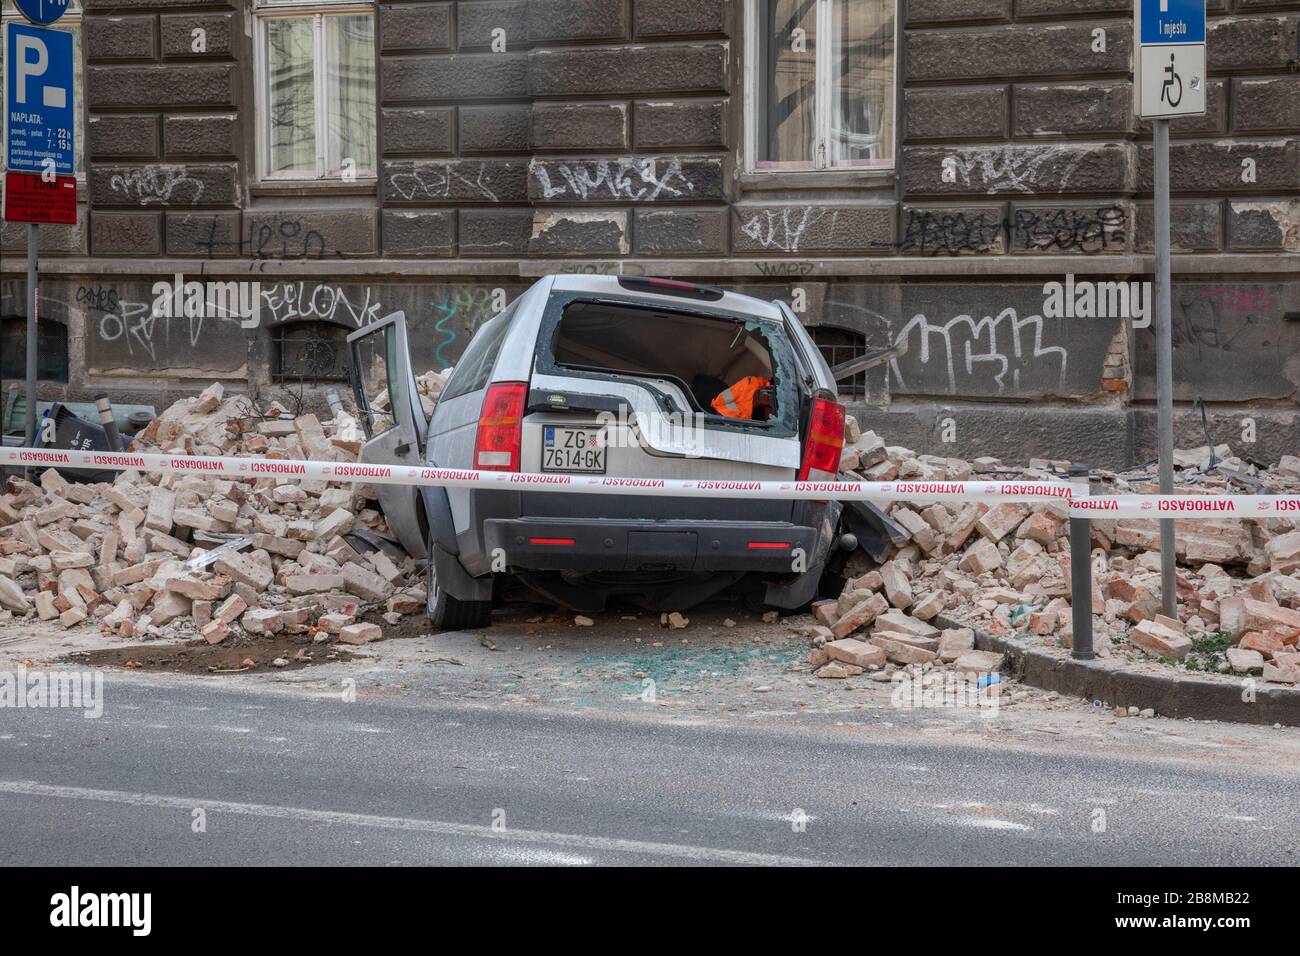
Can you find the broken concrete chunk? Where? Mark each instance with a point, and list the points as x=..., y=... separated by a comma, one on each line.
x=930, y=605
x=337, y=522
x=1269, y=645
x=1245, y=661
x=836, y=670
x=199, y=588
x=365, y=584
x=954, y=643
x=1159, y=640
x=246, y=570
x=45, y=606
x=162, y=506
x=314, y=583
x=981, y=558
x=360, y=633
x=1279, y=674
x=905, y=624
x=901, y=653
x=333, y=623
x=12, y=596
x=860, y=615
x=898, y=589
x=260, y=620
x=979, y=662
x=1001, y=520
x=852, y=651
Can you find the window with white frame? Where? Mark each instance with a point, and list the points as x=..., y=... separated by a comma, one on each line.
x=820, y=79
x=70, y=22
x=315, y=89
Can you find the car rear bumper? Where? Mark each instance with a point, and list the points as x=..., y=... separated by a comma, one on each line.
x=550, y=544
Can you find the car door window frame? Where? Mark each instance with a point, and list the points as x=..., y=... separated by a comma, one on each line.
x=787, y=367
x=467, y=378
x=393, y=329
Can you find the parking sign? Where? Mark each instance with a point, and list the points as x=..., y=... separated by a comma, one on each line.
x=39, y=116
x=39, y=119
x=1170, y=74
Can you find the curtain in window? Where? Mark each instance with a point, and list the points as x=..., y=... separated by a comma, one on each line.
x=862, y=111
x=787, y=83
x=350, y=94
x=291, y=96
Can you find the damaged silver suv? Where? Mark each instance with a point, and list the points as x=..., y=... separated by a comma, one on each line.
x=625, y=377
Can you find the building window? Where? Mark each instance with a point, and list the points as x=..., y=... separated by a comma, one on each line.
x=70, y=22
x=310, y=352
x=51, y=350
x=820, y=82
x=315, y=90
x=837, y=347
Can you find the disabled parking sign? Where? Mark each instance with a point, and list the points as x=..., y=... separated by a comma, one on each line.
x=1169, y=61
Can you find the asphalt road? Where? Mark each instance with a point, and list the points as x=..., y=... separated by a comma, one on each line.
x=290, y=779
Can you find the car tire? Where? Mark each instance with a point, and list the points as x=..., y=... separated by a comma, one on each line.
x=447, y=613
x=753, y=597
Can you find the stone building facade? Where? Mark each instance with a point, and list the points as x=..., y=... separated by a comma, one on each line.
x=914, y=172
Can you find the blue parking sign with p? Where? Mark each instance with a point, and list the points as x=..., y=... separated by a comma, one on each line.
x=40, y=114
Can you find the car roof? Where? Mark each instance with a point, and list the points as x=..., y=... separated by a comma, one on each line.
x=609, y=285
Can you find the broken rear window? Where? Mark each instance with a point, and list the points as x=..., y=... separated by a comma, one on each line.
x=718, y=366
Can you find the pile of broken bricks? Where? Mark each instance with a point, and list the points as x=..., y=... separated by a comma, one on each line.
x=142, y=556
x=1004, y=569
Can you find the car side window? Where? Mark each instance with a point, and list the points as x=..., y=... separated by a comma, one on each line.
x=475, y=366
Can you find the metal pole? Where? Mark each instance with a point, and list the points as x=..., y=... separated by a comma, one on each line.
x=1081, y=574
x=1164, y=364
x=33, y=237
x=105, y=407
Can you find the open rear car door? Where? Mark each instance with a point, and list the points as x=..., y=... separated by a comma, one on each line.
x=391, y=413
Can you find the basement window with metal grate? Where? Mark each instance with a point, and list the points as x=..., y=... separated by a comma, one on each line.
x=840, y=345
x=309, y=352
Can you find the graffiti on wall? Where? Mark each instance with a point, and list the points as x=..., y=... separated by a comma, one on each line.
x=441, y=181
x=141, y=330
x=459, y=311
x=941, y=232
x=323, y=302
x=638, y=180
x=1013, y=169
x=970, y=349
x=785, y=229
x=157, y=183
x=1071, y=230
x=275, y=235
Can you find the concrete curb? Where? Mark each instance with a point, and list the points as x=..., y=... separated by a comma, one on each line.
x=1175, y=696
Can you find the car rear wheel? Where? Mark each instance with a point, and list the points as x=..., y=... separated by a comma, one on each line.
x=447, y=613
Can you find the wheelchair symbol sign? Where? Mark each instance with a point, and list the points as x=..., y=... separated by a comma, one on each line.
x=1171, y=73
x=1167, y=94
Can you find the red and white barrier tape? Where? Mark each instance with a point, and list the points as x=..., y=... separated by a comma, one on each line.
x=1183, y=507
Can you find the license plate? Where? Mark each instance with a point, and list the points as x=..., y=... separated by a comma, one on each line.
x=574, y=450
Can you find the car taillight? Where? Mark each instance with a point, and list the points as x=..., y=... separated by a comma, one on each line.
x=498, y=445
x=821, y=450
